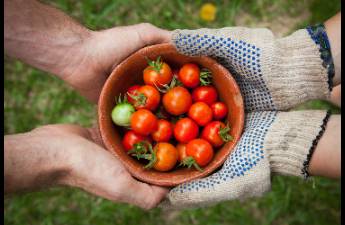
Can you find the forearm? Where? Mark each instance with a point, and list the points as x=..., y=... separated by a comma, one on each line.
x=326, y=159
x=333, y=29
x=30, y=163
x=43, y=36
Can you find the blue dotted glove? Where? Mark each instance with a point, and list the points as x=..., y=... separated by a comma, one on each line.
x=272, y=75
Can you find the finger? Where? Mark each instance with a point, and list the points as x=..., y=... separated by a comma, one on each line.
x=146, y=196
x=149, y=34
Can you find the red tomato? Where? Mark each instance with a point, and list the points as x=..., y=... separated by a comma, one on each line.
x=182, y=154
x=147, y=97
x=207, y=94
x=189, y=75
x=132, y=91
x=164, y=131
x=177, y=101
x=131, y=138
x=219, y=110
x=201, y=113
x=216, y=133
x=200, y=150
x=157, y=73
x=185, y=130
x=144, y=122
x=167, y=156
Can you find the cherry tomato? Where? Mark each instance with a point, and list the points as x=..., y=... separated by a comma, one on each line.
x=164, y=131
x=185, y=130
x=177, y=101
x=147, y=97
x=144, y=122
x=201, y=113
x=166, y=155
x=132, y=91
x=189, y=75
x=216, y=133
x=219, y=110
x=157, y=73
x=207, y=94
x=131, y=138
x=200, y=150
x=182, y=154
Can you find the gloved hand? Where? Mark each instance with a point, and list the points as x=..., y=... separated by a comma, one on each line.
x=273, y=74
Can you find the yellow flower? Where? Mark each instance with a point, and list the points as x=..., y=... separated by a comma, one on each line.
x=208, y=12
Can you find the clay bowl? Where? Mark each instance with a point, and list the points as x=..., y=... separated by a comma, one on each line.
x=128, y=73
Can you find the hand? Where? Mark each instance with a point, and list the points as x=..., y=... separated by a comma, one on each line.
x=273, y=74
x=68, y=155
x=104, y=50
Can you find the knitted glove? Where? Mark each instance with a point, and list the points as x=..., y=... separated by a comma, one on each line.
x=273, y=142
x=273, y=74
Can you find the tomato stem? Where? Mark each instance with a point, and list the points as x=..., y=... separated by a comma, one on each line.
x=189, y=162
x=139, y=98
x=205, y=77
x=155, y=65
x=140, y=151
x=224, y=133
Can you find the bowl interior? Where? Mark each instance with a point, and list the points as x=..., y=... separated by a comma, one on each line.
x=128, y=73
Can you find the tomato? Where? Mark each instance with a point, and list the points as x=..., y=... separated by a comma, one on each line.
x=144, y=122
x=207, y=94
x=131, y=138
x=182, y=154
x=132, y=91
x=166, y=156
x=216, y=133
x=164, y=131
x=177, y=101
x=157, y=73
x=200, y=150
x=219, y=110
x=185, y=130
x=147, y=97
x=122, y=112
x=189, y=75
x=201, y=113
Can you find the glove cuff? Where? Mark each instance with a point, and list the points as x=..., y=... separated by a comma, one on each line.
x=292, y=139
x=296, y=72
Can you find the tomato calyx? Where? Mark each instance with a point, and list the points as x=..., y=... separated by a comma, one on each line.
x=121, y=100
x=165, y=88
x=155, y=65
x=224, y=133
x=139, y=98
x=143, y=150
x=205, y=77
x=189, y=161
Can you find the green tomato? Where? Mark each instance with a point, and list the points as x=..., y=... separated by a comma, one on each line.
x=121, y=114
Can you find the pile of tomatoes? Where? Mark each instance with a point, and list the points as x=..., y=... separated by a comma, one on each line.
x=174, y=117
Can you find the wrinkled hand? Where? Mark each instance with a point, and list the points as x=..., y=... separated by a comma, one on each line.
x=104, y=50
x=96, y=170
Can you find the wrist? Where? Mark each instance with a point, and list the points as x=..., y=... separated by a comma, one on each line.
x=32, y=161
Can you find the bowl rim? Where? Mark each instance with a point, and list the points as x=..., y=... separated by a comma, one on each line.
x=134, y=172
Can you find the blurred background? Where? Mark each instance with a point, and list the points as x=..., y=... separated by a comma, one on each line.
x=34, y=98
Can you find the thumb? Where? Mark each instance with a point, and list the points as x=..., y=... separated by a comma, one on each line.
x=149, y=34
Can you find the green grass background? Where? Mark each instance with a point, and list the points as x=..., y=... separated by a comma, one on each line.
x=34, y=98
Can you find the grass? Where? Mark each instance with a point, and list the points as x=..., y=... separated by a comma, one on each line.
x=34, y=98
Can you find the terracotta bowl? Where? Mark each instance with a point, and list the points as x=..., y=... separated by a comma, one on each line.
x=128, y=73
